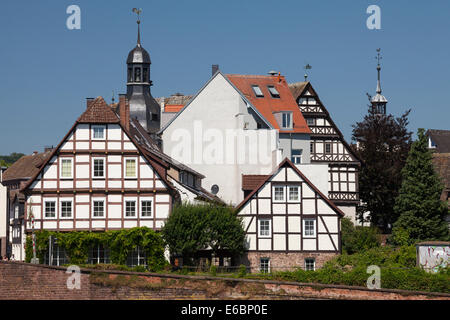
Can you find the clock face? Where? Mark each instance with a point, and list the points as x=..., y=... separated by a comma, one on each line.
x=215, y=189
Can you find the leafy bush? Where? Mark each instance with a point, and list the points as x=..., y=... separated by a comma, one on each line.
x=242, y=271
x=119, y=242
x=358, y=239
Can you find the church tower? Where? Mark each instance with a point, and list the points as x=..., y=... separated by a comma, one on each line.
x=379, y=101
x=143, y=106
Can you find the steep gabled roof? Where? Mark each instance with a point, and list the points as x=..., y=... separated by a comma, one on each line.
x=267, y=105
x=298, y=89
x=287, y=163
x=98, y=111
x=251, y=181
x=25, y=167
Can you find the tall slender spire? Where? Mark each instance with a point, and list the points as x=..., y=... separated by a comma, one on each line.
x=138, y=12
x=379, y=57
x=379, y=101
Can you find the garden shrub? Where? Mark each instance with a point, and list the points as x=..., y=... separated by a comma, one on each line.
x=357, y=238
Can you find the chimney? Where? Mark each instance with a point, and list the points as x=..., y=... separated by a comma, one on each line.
x=124, y=111
x=35, y=153
x=89, y=102
x=214, y=69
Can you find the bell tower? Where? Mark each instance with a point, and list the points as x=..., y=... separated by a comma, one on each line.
x=143, y=106
x=379, y=101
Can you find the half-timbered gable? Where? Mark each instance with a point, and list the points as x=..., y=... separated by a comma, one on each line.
x=329, y=146
x=287, y=219
x=99, y=178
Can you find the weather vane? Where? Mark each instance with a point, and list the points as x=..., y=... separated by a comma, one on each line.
x=138, y=12
x=378, y=57
x=307, y=67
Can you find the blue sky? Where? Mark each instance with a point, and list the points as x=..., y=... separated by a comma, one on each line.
x=47, y=71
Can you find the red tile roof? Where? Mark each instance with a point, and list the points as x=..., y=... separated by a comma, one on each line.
x=251, y=181
x=26, y=167
x=173, y=107
x=268, y=106
x=98, y=111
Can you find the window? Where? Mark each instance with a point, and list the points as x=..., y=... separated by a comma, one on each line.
x=137, y=75
x=16, y=211
x=98, y=254
x=145, y=75
x=59, y=256
x=130, y=208
x=99, y=168
x=99, y=208
x=310, y=264
x=130, y=74
x=264, y=228
x=287, y=120
x=257, y=91
x=130, y=168
x=146, y=208
x=296, y=156
x=311, y=147
x=294, y=193
x=278, y=193
x=273, y=92
x=66, y=168
x=264, y=265
x=310, y=121
x=98, y=132
x=50, y=209
x=66, y=209
x=327, y=147
x=309, y=228
x=137, y=257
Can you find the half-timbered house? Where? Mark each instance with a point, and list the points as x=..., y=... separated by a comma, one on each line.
x=328, y=145
x=289, y=222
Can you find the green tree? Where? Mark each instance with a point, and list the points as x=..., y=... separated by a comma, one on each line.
x=7, y=161
x=383, y=143
x=357, y=239
x=420, y=209
x=194, y=227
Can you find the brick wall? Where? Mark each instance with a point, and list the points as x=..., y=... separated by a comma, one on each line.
x=20, y=280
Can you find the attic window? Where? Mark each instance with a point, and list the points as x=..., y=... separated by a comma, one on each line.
x=273, y=92
x=287, y=120
x=257, y=91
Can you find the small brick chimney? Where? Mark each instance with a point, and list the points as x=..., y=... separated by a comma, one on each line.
x=214, y=69
x=124, y=111
x=89, y=102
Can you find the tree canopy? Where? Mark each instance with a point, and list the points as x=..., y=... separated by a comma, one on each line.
x=382, y=143
x=419, y=207
x=194, y=227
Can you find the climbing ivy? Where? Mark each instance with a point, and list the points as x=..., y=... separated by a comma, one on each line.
x=119, y=242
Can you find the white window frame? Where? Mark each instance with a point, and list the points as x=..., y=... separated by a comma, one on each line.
x=93, y=167
x=93, y=132
x=61, y=200
x=125, y=167
x=104, y=208
x=289, y=125
x=61, y=167
x=284, y=193
x=259, y=228
x=141, y=207
x=45, y=200
x=257, y=91
x=268, y=264
x=288, y=193
x=314, y=264
x=300, y=156
x=136, y=212
x=304, y=220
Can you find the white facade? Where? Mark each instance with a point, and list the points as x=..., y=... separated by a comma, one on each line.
x=216, y=134
x=3, y=218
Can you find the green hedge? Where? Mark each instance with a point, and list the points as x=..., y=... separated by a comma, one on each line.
x=119, y=242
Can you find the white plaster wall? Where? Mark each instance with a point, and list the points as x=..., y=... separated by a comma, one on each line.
x=3, y=208
x=317, y=174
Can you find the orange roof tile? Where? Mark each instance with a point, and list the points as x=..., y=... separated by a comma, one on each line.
x=268, y=106
x=173, y=107
x=98, y=111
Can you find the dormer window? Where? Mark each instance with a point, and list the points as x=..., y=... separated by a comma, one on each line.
x=273, y=92
x=257, y=91
x=287, y=120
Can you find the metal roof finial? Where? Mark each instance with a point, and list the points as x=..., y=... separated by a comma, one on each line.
x=378, y=57
x=307, y=67
x=138, y=12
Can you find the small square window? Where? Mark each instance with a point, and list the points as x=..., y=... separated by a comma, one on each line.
x=264, y=265
x=264, y=228
x=66, y=209
x=310, y=121
x=294, y=193
x=99, y=208
x=296, y=156
x=273, y=92
x=257, y=91
x=98, y=132
x=310, y=264
x=50, y=209
x=146, y=207
x=130, y=208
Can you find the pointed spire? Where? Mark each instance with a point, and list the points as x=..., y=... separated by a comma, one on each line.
x=379, y=57
x=138, y=12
